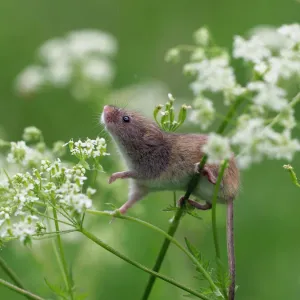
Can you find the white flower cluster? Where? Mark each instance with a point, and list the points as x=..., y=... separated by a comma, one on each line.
x=217, y=148
x=264, y=130
x=89, y=150
x=203, y=112
x=45, y=182
x=273, y=64
x=32, y=134
x=80, y=60
x=23, y=155
x=284, y=63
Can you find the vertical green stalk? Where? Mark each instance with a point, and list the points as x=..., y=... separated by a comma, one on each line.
x=191, y=186
x=214, y=207
x=214, y=226
x=65, y=273
x=163, y=251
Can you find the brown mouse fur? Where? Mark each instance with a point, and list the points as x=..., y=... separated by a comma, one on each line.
x=159, y=160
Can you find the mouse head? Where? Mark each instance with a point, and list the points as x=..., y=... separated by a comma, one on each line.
x=131, y=129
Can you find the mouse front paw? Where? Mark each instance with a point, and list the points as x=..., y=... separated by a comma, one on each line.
x=113, y=178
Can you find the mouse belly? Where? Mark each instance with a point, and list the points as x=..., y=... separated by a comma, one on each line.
x=203, y=191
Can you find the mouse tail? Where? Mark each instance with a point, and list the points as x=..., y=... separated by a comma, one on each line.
x=230, y=250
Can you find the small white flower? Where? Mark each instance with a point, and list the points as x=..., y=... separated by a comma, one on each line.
x=253, y=50
x=59, y=73
x=217, y=148
x=171, y=98
x=261, y=68
x=202, y=36
x=198, y=55
x=30, y=80
x=292, y=32
x=213, y=75
x=53, y=50
x=98, y=70
x=173, y=55
x=203, y=112
x=85, y=42
x=286, y=65
x=271, y=37
x=32, y=134
x=268, y=95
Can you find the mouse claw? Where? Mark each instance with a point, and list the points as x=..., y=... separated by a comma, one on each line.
x=111, y=179
x=181, y=201
x=114, y=213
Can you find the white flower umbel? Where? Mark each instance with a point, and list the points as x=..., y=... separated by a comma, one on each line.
x=40, y=182
x=89, y=148
x=257, y=141
x=284, y=66
x=203, y=112
x=253, y=50
x=292, y=32
x=268, y=95
x=217, y=148
x=32, y=134
x=81, y=61
x=272, y=61
x=31, y=79
x=214, y=75
x=87, y=42
x=272, y=39
x=202, y=36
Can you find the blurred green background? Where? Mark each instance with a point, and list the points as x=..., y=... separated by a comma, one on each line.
x=267, y=222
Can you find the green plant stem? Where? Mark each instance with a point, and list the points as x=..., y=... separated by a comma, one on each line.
x=62, y=258
x=167, y=236
x=191, y=186
x=140, y=266
x=214, y=207
x=161, y=256
x=23, y=292
x=214, y=224
x=11, y=274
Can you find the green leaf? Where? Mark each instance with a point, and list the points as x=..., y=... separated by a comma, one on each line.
x=111, y=205
x=84, y=164
x=196, y=253
x=57, y=290
x=194, y=214
x=170, y=208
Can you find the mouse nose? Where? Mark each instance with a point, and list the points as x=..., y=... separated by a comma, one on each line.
x=107, y=109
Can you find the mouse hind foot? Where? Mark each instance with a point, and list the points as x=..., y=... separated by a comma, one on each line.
x=195, y=204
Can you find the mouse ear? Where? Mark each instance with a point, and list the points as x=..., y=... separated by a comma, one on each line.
x=153, y=136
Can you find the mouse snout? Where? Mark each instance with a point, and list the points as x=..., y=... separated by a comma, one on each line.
x=107, y=109
x=107, y=114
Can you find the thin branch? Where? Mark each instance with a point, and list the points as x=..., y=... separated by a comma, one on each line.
x=62, y=257
x=11, y=274
x=167, y=236
x=23, y=292
x=140, y=266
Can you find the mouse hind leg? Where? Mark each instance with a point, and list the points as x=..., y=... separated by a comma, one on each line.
x=136, y=193
x=195, y=204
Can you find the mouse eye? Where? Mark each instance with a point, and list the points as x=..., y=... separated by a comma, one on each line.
x=126, y=119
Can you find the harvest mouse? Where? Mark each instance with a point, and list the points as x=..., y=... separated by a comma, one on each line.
x=159, y=160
